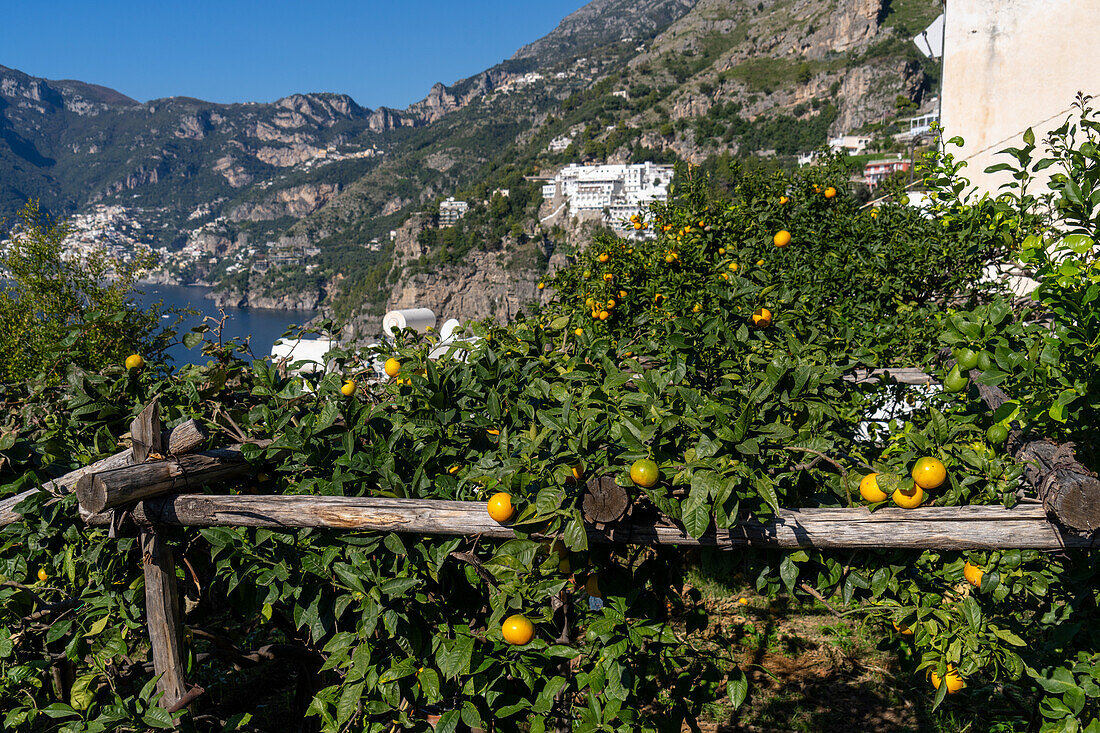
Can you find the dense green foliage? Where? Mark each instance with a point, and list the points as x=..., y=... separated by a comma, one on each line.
x=400, y=627
x=56, y=311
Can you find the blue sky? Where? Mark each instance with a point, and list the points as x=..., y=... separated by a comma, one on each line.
x=381, y=53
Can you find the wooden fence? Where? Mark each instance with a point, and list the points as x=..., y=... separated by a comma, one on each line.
x=154, y=484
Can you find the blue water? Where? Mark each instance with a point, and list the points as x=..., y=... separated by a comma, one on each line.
x=263, y=326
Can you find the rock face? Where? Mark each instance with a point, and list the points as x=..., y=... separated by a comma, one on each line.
x=295, y=202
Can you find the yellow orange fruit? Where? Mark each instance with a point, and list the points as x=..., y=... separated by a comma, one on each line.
x=604, y=257
x=42, y=575
x=953, y=680
x=869, y=490
x=578, y=331
x=603, y=315
x=973, y=574
x=929, y=472
x=499, y=507
x=135, y=361
x=762, y=318
x=393, y=366
x=783, y=199
x=830, y=192
x=349, y=387
x=902, y=629
x=517, y=630
x=782, y=238
x=909, y=498
x=542, y=285
x=733, y=267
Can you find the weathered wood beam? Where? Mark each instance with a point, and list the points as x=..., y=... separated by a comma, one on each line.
x=971, y=527
x=119, y=486
x=181, y=439
x=163, y=615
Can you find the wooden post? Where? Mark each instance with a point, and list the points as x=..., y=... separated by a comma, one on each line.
x=162, y=613
x=145, y=433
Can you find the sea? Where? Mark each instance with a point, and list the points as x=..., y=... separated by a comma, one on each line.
x=262, y=325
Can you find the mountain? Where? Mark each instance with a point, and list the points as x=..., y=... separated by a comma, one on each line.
x=316, y=199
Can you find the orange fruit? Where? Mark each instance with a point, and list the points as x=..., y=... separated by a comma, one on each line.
x=669, y=259
x=697, y=308
x=783, y=199
x=134, y=361
x=869, y=490
x=782, y=238
x=542, y=285
x=762, y=318
x=499, y=507
x=952, y=678
x=517, y=630
x=592, y=586
x=902, y=629
x=603, y=315
x=929, y=472
x=393, y=366
x=604, y=257
x=830, y=192
x=349, y=387
x=610, y=303
x=973, y=574
x=42, y=574
x=644, y=473
x=578, y=331
x=658, y=298
x=909, y=499
x=874, y=213
x=608, y=277
x=760, y=263
x=622, y=294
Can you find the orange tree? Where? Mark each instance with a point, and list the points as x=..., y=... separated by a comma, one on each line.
x=382, y=632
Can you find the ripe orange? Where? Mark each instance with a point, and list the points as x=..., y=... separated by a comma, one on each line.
x=874, y=213
x=134, y=361
x=608, y=277
x=578, y=331
x=42, y=574
x=638, y=225
x=733, y=267
x=349, y=388
x=658, y=298
x=669, y=259
x=725, y=276
x=721, y=250
x=909, y=499
x=622, y=294
x=697, y=308
x=762, y=318
x=952, y=678
x=610, y=303
x=644, y=473
x=783, y=199
x=517, y=630
x=869, y=490
x=499, y=507
x=973, y=574
x=577, y=472
x=603, y=315
x=929, y=472
x=393, y=366
x=782, y=238
x=902, y=629
x=542, y=285
x=592, y=586
x=830, y=192
x=604, y=257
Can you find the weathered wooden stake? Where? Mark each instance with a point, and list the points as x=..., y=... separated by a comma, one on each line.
x=162, y=612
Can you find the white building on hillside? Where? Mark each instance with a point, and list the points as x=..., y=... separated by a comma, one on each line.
x=854, y=144
x=603, y=187
x=450, y=211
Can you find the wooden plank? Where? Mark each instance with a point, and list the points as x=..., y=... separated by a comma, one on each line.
x=183, y=438
x=108, y=489
x=145, y=433
x=901, y=375
x=163, y=616
x=971, y=527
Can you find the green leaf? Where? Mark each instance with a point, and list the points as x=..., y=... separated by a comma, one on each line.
x=695, y=511
x=191, y=339
x=737, y=688
x=788, y=572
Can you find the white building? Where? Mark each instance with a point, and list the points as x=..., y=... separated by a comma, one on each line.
x=615, y=191
x=1008, y=66
x=853, y=144
x=450, y=211
x=560, y=144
